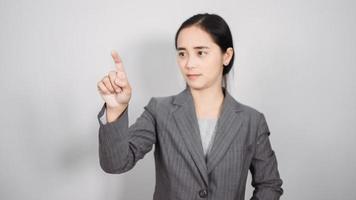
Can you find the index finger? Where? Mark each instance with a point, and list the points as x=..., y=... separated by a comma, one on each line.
x=117, y=60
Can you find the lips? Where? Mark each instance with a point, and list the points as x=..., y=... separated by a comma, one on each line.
x=193, y=76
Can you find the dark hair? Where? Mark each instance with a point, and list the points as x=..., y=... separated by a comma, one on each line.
x=217, y=28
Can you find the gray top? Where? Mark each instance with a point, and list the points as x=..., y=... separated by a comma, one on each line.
x=207, y=132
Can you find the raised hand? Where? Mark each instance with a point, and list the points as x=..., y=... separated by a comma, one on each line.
x=115, y=88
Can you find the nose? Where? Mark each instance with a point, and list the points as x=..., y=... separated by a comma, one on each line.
x=191, y=62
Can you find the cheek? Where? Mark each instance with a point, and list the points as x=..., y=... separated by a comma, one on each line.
x=181, y=66
x=181, y=62
x=214, y=65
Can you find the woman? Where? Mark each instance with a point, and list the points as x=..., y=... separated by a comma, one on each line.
x=205, y=141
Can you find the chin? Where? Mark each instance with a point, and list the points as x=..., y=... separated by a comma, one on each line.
x=196, y=86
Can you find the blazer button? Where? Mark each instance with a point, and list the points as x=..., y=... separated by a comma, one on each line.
x=203, y=193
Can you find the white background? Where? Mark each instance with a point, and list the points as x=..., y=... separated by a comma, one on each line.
x=295, y=62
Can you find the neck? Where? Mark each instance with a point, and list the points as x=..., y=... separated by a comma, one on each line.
x=208, y=101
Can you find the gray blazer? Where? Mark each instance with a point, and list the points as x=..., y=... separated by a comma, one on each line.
x=182, y=173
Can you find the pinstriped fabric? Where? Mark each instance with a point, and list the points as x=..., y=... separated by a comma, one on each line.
x=170, y=123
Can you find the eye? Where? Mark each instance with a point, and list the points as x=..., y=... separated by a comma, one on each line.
x=181, y=54
x=201, y=53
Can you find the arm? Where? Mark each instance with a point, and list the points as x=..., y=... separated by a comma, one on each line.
x=121, y=146
x=264, y=169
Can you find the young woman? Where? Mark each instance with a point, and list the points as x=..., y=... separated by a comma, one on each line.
x=205, y=140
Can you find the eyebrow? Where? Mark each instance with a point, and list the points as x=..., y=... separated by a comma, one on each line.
x=197, y=47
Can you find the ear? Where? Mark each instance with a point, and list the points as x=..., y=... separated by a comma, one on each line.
x=228, y=55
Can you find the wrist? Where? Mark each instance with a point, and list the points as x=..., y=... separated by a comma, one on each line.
x=112, y=113
x=117, y=108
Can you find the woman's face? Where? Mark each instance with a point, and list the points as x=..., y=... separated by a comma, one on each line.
x=200, y=59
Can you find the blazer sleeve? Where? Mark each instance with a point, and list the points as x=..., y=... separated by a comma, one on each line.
x=265, y=176
x=121, y=146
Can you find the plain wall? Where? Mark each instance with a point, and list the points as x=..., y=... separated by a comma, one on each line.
x=295, y=62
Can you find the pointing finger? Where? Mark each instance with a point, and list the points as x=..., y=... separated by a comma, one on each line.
x=117, y=60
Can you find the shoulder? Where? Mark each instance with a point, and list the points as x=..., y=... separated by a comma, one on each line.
x=250, y=113
x=159, y=104
x=249, y=110
x=163, y=105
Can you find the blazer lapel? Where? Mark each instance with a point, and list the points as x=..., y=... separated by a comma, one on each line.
x=228, y=125
x=187, y=122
